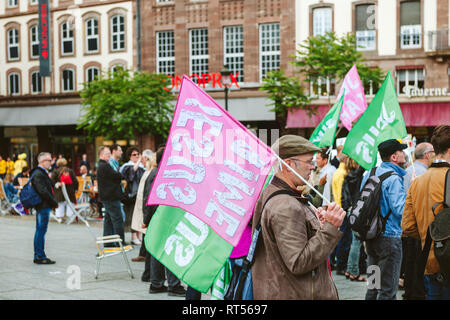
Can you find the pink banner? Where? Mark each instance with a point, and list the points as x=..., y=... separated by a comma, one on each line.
x=354, y=100
x=212, y=167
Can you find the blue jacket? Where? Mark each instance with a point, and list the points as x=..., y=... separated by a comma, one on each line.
x=393, y=197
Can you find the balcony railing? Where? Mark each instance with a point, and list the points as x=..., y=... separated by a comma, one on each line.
x=438, y=41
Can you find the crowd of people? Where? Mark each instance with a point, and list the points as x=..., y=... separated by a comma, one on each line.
x=305, y=227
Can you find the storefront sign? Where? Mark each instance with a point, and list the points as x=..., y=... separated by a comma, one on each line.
x=44, y=38
x=413, y=92
x=204, y=80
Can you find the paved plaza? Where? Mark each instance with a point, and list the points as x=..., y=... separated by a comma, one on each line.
x=73, y=249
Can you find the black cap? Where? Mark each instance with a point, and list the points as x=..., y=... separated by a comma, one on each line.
x=389, y=147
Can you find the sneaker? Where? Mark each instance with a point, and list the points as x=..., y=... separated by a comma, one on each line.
x=136, y=242
x=178, y=291
x=157, y=290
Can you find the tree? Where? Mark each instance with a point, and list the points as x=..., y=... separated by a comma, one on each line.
x=330, y=57
x=287, y=94
x=121, y=105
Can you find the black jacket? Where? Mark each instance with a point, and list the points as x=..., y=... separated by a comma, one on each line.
x=350, y=188
x=109, y=183
x=42, y=184
x=148, y=211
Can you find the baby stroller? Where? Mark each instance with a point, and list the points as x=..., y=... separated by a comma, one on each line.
x=10, y=204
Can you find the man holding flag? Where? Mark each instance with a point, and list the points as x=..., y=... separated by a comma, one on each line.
x=291, y=254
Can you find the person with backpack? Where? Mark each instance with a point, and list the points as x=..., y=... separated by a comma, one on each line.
x=42, y=185
x=385, y=250
x=427, y=211
x=290, y=259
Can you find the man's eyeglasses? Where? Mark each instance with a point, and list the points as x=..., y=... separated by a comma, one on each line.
x=310, y=162
x=135, y=154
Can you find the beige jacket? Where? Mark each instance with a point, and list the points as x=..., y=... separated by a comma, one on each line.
x=137, y=219
x=290, y=260
x=423, y=193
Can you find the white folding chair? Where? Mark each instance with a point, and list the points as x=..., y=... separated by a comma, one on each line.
x=100, y=241
x=78, y=209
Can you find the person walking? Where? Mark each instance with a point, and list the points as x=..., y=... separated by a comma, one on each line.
x=132, y=172
x=111, y=195
x=385, y=251
x=42, y=184
x=138, y=216
x=66, y=175
x=424, y=192
x=350, y=193
x=290, y=260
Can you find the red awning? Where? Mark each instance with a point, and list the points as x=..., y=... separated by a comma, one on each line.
x=425, y=114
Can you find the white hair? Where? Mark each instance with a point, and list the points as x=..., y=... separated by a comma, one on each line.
x=42, y=155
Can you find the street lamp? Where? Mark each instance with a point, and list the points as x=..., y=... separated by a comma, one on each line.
x=226, y=80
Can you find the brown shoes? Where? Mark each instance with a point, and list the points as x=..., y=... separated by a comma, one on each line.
x=138, y=259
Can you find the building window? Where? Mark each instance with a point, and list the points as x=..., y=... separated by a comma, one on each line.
x=322, y=21
x=33, y=1
x=14, y=84
x=92, y=73
x=67, y=40
x=322, y=87
x=410, y=25
x=68, y=80
x=269, y=47
x=165, y=60
x=234, y=50
x=410, y=79
x=36, y=82
x=199, y=56
x=34, y=42
x=13, y=44
x=365, y=27
x=92, y=36
x=117, y=33
x=164, y=1
x=12, y=3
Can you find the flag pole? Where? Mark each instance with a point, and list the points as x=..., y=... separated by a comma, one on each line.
x=303, y=179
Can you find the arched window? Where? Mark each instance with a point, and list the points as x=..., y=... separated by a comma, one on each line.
x=117, y=33
x=92, y=39
x=67, y=39
x=13, y=44
x=14, y=84
x=34, y=42
x=36, y=82
x=92, y=73
x=68, y=80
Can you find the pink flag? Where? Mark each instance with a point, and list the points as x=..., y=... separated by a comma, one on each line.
x=354, y=100
x=212, y=167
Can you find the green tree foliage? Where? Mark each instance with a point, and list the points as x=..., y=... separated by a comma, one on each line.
x=286, y=93
x=124, y=105
x=328, y=56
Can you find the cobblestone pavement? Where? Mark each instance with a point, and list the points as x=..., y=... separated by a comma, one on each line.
x=73, y=247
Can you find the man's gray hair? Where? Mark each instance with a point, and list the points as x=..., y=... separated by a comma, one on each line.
x=421, y=150
x=42, y=155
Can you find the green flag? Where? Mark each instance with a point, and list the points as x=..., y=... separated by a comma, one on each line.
x=221, y=283
x=325, y=132
x=382, y=120
x=187, y=246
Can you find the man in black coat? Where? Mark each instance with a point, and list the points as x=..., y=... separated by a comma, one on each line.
x=42, y=184
x=111, y=194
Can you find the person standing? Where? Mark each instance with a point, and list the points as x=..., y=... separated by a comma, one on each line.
x=413, y=280
x=116, y=155
x=2, y=167
x=111, y=195
x=385, y=251
x=423, y=193
x=290, y=260
x=9, y=166
x=132, y=171
x=66, y=175
x=42, y=184
x=20, y=163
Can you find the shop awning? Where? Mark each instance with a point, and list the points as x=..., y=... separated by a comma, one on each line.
x=426, y=114
x=57, y=115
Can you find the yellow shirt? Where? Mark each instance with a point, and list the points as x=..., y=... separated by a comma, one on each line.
x=3, y=167
x=337, y=182
x=10, y=167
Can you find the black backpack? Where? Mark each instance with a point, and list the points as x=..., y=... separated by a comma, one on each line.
x=240, y=273
x=365, y=217
x=439, y=232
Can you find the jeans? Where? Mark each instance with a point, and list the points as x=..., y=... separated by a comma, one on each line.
x=42, y=218
x=343, y=246
x=414, y=281
x=353, y=256
x=435, y=289
x=247, y=291
x=386, y=253
x=113, y=221
x=158, y=275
